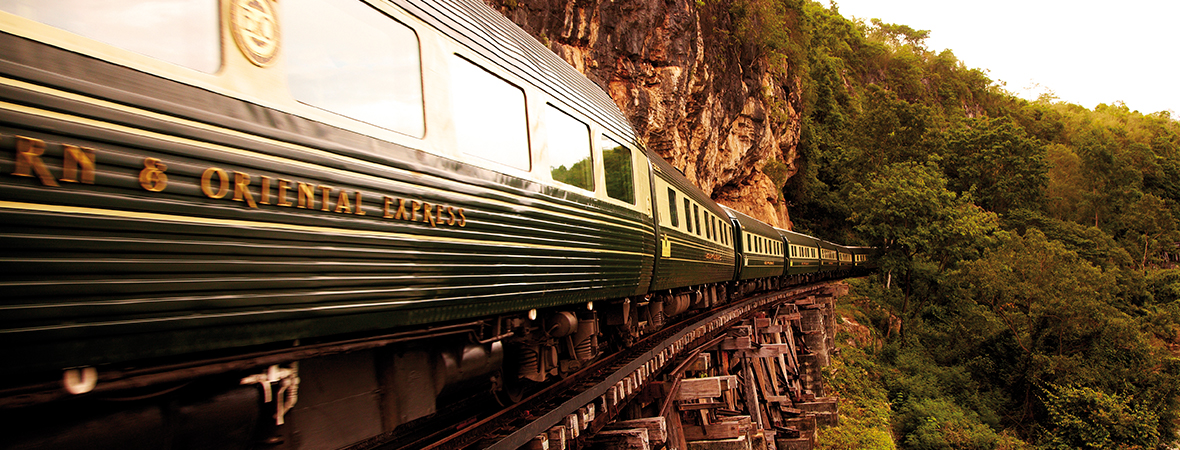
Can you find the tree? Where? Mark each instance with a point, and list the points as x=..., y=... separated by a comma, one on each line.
x=1151, y=218
x=998, y=164
x=906, y=208
x=890, y=130
x=1058, y=325
x=906, y=211
x=1084, y=418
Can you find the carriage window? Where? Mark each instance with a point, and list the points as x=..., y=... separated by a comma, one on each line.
x=372, y=73
x=696, y=213
x=569, y=149
x=184, y=32
x=489, y=116
x=687, y=217
x=672, y=208
x=616, y=159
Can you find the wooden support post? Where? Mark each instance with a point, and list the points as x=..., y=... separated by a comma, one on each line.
x=557, y=440
x=752, y=394
x=572, y=429
x=764, y=385
x=585, y=416
x=676, y=438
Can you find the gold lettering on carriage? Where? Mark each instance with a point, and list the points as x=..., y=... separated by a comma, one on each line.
x=218, y=183
x=35, y=158
x=77, y=163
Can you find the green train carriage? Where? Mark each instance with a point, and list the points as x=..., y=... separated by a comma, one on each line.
x=802, y=254
x=761, y=260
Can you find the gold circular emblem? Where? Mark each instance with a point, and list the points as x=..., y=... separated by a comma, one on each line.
x=256, y=30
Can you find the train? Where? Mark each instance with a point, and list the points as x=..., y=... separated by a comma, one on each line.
x=302, y=224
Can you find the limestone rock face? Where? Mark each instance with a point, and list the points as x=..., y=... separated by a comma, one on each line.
x=715, y=116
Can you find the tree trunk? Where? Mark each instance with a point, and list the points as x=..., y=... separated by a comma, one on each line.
x=1145, y=241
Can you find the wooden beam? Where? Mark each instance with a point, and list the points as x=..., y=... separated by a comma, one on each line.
x=634, y=439
x=793, y=444
x=737, y=343
x=767, y=350
x=657, y=428
x=710, y=387
x=700, y=406
x=791, y=316
x=738, y=443
x=720, y=430
x=761, y=323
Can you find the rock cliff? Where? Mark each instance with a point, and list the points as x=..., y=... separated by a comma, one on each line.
x=692, y=93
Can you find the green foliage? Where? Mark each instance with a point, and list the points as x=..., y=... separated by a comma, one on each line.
x=864, y=407
x=777, y=171
x=890, y=130
x=1027, y=294
x=1084, y=418
x=906, y=209
x=1049, y=299
x=581, y=174
x=616, y=163
x=1089, y=242
x=939, y=423
x=998, y=164
x=898, y=35
x=1057, y=315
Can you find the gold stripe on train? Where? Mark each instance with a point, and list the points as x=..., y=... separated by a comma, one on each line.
x=37, y=207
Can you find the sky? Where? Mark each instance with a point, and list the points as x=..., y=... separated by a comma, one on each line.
x=1083, y=52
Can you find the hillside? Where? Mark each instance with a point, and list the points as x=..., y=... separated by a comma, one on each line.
x=1029, y=296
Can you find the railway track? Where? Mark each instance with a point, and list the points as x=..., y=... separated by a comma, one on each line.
x=568, y=413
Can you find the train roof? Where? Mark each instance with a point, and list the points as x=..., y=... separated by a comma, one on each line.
x=501, y=41
x=752, y=225
x=797, y=238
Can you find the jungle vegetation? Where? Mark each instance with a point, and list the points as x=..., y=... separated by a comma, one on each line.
x=1029, y=295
